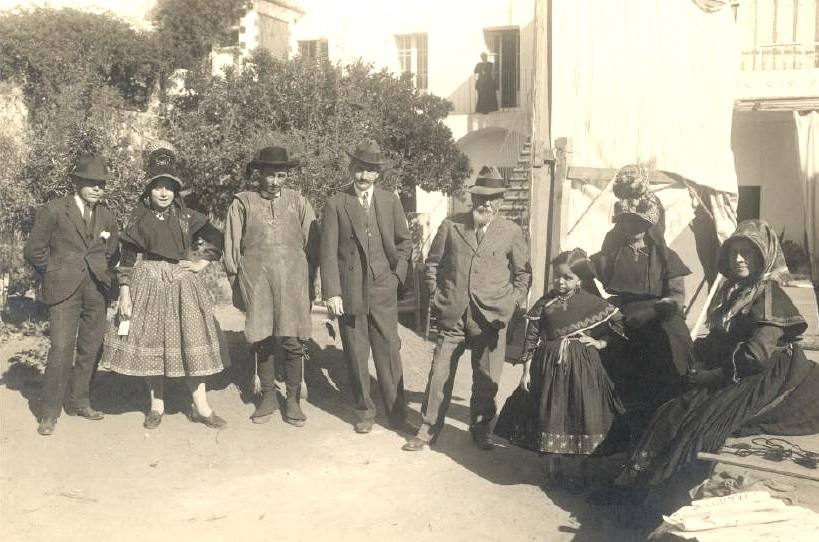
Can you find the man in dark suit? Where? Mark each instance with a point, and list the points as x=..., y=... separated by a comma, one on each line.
x=72, y=245
x=478, y=272
x=365, y=250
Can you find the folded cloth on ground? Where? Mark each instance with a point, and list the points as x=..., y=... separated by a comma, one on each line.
x=742, y=516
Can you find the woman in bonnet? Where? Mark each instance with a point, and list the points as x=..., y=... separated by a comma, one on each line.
x=172, y=331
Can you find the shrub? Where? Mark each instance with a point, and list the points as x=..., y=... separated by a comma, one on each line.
x=47, y=50
x=82, y=75
x=318, y=110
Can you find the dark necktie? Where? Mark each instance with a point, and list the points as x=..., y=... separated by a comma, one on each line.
x=365, y=202
x=86, y=216
x=479, y=234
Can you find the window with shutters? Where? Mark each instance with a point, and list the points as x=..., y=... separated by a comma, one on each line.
x=316, y=49
x=413, y=58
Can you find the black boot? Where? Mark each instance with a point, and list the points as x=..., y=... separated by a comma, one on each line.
x=267, y=406
x=294, y=366
x=269, y=402
x=292, y=411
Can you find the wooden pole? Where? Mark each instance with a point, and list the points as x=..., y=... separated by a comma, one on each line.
x=557, y=202
x=542, y=156
x=761, y=465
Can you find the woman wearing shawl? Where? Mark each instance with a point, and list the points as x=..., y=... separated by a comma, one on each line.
x=565, y=404
x=172, y=331
x=751, y=375
x=646, y=280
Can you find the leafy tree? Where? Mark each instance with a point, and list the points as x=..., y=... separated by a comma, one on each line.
x=47, y=50
x=79, y=71
x=318, y=110
x=189, y=28
x=82, y=76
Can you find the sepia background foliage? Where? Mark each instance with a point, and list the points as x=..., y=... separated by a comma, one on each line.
x=91, y=83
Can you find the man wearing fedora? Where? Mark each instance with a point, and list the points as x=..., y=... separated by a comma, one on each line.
x=72, y=246
x=365, y=250
x=477, y=272
x=271, y=257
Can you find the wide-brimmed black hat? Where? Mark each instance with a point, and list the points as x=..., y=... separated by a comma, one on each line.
x=90, y=167
x=271, y=156
x=369, y=152
x=489, y=182
x=164, y=172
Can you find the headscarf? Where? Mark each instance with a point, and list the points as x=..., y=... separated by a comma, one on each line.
x=633, y=196
x=736, y=297
x=631, y=187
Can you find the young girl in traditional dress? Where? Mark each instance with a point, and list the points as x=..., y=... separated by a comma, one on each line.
x=565, y=404
x=172, y=330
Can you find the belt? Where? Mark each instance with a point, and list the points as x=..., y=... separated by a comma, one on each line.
x=158, y=258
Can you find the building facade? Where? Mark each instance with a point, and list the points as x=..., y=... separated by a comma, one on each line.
x=438, y=45
x=778, y=83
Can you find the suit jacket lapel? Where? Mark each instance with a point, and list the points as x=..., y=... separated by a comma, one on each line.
x=76, y=218
x=468, y=233
x=381, y=215
x=356, y=214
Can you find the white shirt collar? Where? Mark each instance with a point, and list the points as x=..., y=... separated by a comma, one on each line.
x=369, y=192
x=80, y=203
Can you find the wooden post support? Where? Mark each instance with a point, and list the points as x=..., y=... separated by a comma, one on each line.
x=558, y=203
x=539, y=199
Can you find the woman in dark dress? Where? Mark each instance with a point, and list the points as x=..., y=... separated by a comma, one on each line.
x=565, y=404
x=646, y=280
x=751, y=375
x=172, y=331
x=486, y=85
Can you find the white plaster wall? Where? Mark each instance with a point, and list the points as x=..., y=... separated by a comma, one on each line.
x=366, y=29
x=766, y=154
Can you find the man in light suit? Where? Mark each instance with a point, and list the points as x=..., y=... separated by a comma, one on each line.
x=478, y=272
x=365, y=250
x=72, y=246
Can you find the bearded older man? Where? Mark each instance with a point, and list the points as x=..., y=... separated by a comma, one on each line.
x=477, y=271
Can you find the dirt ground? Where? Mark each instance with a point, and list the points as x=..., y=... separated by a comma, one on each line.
x=113, y=480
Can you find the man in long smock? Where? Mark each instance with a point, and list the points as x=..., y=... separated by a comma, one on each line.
x=270, y=256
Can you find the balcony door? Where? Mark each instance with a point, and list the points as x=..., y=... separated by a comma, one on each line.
x=504, y=46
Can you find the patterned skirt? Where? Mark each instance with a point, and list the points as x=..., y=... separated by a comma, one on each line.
x=569, y=407
x=172, y=332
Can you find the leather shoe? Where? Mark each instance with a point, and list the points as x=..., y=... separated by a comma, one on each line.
x=152, y=420
x=46, y=426
x=213, y=421
x=415, y=444
x=364, y=427
x=482, y=439
x=84, y=412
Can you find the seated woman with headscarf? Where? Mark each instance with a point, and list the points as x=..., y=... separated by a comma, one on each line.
x=646, y=279
x=751, y=376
